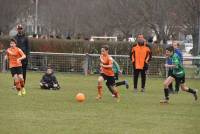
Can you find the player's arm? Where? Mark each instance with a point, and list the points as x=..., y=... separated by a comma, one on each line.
x=110, y=65
x=106, y=66
x=175, y=63
x=23, y=56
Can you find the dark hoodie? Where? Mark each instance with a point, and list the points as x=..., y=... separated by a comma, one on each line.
x=49, y=79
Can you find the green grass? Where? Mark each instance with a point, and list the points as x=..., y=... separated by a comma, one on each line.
x=57, y=112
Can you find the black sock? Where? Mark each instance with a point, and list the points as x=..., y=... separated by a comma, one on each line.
x=110, y=89
x=191, y=91
x=166, y=91
x=120, y=83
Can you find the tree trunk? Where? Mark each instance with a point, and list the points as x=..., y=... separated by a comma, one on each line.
x=195, y=43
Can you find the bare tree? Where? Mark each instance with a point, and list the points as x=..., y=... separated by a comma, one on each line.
x=158, y=15
x=189, y=14
x=11, y=10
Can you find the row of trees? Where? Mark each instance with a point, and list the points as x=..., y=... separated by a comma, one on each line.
x=98, y=17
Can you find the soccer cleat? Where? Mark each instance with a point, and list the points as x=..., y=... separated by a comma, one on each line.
x=14, y=87
x=135, y=90
x=98, y=97
x=164, y=101
x=23, y=91
x=176, y=92
x=126, y=84
x=195, y=95
x=143, y=89
x=19, y=93
x=116, y=97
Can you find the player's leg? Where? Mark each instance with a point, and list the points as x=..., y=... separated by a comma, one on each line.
x=17, y=83
x=184, y=87
x=100, y=87
x=21, y=79
x=177, y=85
x=166, y=83
x=170, y=87
x=16, y=80
x=116, y=93
x=125, y=82
x=110, y=88
x=111, y=83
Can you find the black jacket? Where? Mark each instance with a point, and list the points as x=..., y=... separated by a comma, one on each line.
x=23, y=44
x=49, y=79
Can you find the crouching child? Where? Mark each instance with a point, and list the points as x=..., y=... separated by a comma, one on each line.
x=49, y=80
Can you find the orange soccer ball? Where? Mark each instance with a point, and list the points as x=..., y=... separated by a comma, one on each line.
x=80, y=97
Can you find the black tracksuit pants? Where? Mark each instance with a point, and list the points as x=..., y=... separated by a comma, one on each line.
x=136, y=75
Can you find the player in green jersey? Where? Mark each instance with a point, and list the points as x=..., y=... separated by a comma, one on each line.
x=117, y=71
x=178, y=74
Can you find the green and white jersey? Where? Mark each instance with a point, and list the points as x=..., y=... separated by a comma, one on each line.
x=115, y=67
x=178, y=70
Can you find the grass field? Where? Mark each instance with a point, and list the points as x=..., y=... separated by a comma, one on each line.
x=57, y=112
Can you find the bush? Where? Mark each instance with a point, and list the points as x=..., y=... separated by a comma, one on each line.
x=72, y=46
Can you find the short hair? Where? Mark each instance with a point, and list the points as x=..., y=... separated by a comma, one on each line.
x=140, y=35
x=13, y=40
x=19, y=26
x=106, y=47
x=170, y=48
x=156, y=42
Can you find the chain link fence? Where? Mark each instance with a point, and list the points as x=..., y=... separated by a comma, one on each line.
x=89, y=64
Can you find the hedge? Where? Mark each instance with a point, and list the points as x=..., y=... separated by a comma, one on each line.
x=71, y=46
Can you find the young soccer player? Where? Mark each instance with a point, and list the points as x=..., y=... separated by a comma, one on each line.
x=107, y=73
x=15, y=55
x=178, y=74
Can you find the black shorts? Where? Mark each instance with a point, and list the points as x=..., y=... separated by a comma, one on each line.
x=16, y=70
x=179, y=80
x=170, y=71
x=110, y=79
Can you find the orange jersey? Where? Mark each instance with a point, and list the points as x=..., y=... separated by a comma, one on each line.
x=140, y=56
x=13, y=54
x=107, y=60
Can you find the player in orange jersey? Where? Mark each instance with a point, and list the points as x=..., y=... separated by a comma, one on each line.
x=107, y=74
x=15, y=55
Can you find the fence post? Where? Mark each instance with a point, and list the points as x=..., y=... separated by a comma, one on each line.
x=3, y=62
x=46, y=61
x=86, y=64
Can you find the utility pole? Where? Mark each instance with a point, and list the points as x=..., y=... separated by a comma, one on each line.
x=36, y=16
x=198, y=49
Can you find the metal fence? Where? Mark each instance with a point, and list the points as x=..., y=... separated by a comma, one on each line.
x=89, y=63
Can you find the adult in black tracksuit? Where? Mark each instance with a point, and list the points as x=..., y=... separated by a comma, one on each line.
x=23, y=44
x=140, y=56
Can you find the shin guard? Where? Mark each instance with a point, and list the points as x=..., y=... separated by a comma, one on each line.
x=22, y=83
x=100, y=90
x=116, y=93
x=18, y=85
